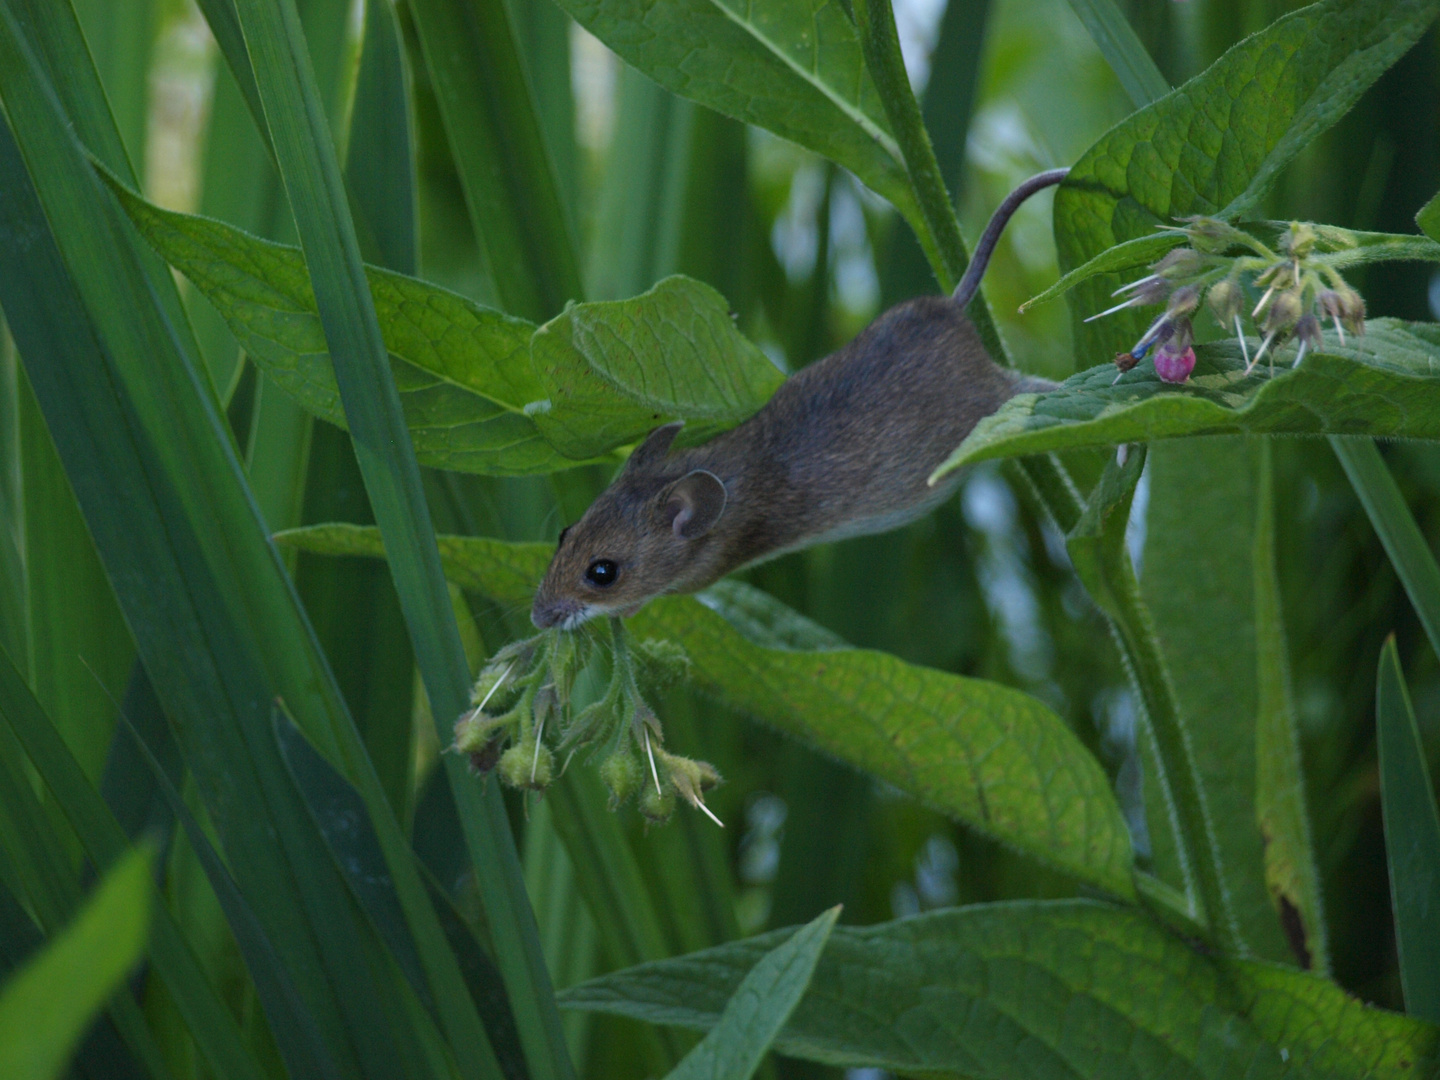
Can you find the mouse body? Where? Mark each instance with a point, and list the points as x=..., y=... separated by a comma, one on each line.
x=845, y=447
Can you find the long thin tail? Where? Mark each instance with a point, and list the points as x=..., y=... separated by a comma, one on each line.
x=965, y=291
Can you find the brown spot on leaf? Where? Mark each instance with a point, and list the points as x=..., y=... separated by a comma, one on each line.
x=1294, y=927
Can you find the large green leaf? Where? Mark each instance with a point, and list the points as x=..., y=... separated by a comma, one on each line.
x=793, y=67
x=758, y=1009
x=614, y=369
x=1412, y=838
x=1386, y=383
x=483, y=391
x=46, y=1006
x=1215, y=145
x=983, y=753
x=1033, y=990
x=1201, y=585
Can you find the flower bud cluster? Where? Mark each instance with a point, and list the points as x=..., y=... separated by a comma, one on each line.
x=1298, y=287
x=521, y=704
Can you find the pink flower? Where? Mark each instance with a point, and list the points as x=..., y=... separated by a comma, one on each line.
x=1174, y=366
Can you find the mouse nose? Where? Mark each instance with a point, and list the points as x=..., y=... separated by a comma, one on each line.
x=548, y=612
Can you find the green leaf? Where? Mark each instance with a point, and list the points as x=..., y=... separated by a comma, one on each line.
x=1215, y=145
x=46, y=1006
x=1201, y=585
x=793, y=67
x=1022, y=776
x=1291, y=872
x=482, y=391
x=759, y=1008
x=305, y=155
x=1386, y=384
x=504, y=167
x=1429, y=218
x=614, y=370
x=1405, y=544
x=1412, y=838
x=216, y=1034
x=1122, y=50
x=1034, y=989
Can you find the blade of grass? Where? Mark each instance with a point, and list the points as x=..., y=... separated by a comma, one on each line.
x=1122, y=49
x=392, y=478
x=195, y=573
x=51, y=885
x=505, y=170
x=46, y=1007
x=1404, y=542
x=1412, y=838
x=759, y=1008
x=294, y=1028
x=208, y=1019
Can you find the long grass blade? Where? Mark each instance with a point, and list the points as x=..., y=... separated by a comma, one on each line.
x=1404, y=542
x=209, y=1021
x=1412, y=838
x=1122, y=49
x=392, y=478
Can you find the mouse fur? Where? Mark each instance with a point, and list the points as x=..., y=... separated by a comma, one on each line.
x=845, y=447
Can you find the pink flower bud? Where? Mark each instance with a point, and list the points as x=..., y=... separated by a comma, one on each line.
x=1174, y=365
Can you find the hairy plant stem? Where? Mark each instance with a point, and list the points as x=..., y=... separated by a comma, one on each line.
x=1130, y=618
x=881, y=44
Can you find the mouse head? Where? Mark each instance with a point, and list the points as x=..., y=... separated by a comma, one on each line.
x=648, y=533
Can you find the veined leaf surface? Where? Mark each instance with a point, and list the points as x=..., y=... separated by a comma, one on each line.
x=1385, y=384
x=1024, y=777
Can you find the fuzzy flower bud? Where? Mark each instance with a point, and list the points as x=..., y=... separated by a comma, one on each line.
x=1183, y=302
x=1226, y=300
x=1179, y=264
x=1284, y=311
x=1211, y=235
x=1298, y=240
x=1352, y=311
x=1307, y=331
x=623, y=776
x=528, y=765
x=657, y=806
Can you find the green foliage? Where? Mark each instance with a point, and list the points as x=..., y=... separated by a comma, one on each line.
x=46, y=1006
x=484, y=391
x=1026, y=780
x=343, y=897
x=1380, y=386
x=1036, y=989
x=758, y=1009
x=1412, y=837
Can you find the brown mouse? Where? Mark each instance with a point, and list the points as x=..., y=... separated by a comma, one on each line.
x=843, y=448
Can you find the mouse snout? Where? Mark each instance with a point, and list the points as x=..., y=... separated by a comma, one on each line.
x=551, y=611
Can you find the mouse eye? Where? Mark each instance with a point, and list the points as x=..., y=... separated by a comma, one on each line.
x=602, y=572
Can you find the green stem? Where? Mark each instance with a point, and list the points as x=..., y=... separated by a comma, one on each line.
x=1133, y=629
x=876, y=22
x=1134, y=632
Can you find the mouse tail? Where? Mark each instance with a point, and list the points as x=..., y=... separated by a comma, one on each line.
x=965, y=291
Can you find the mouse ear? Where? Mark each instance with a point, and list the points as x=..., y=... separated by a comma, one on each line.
x=655, y=446
x=694, y=504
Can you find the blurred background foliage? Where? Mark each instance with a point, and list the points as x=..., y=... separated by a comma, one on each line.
x=656, y=185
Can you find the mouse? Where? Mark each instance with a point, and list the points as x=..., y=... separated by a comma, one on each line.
x=845, y=447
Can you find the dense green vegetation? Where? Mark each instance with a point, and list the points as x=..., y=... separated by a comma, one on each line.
x=320, y=320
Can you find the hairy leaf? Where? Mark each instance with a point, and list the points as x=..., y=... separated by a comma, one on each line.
x=1214, y=145
x=482, y=391
x=983, y=753
x=1036, y=989
x=1386, y=383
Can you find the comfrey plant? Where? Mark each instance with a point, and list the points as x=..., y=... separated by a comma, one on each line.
x=523, y=696
x=1301, y=287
